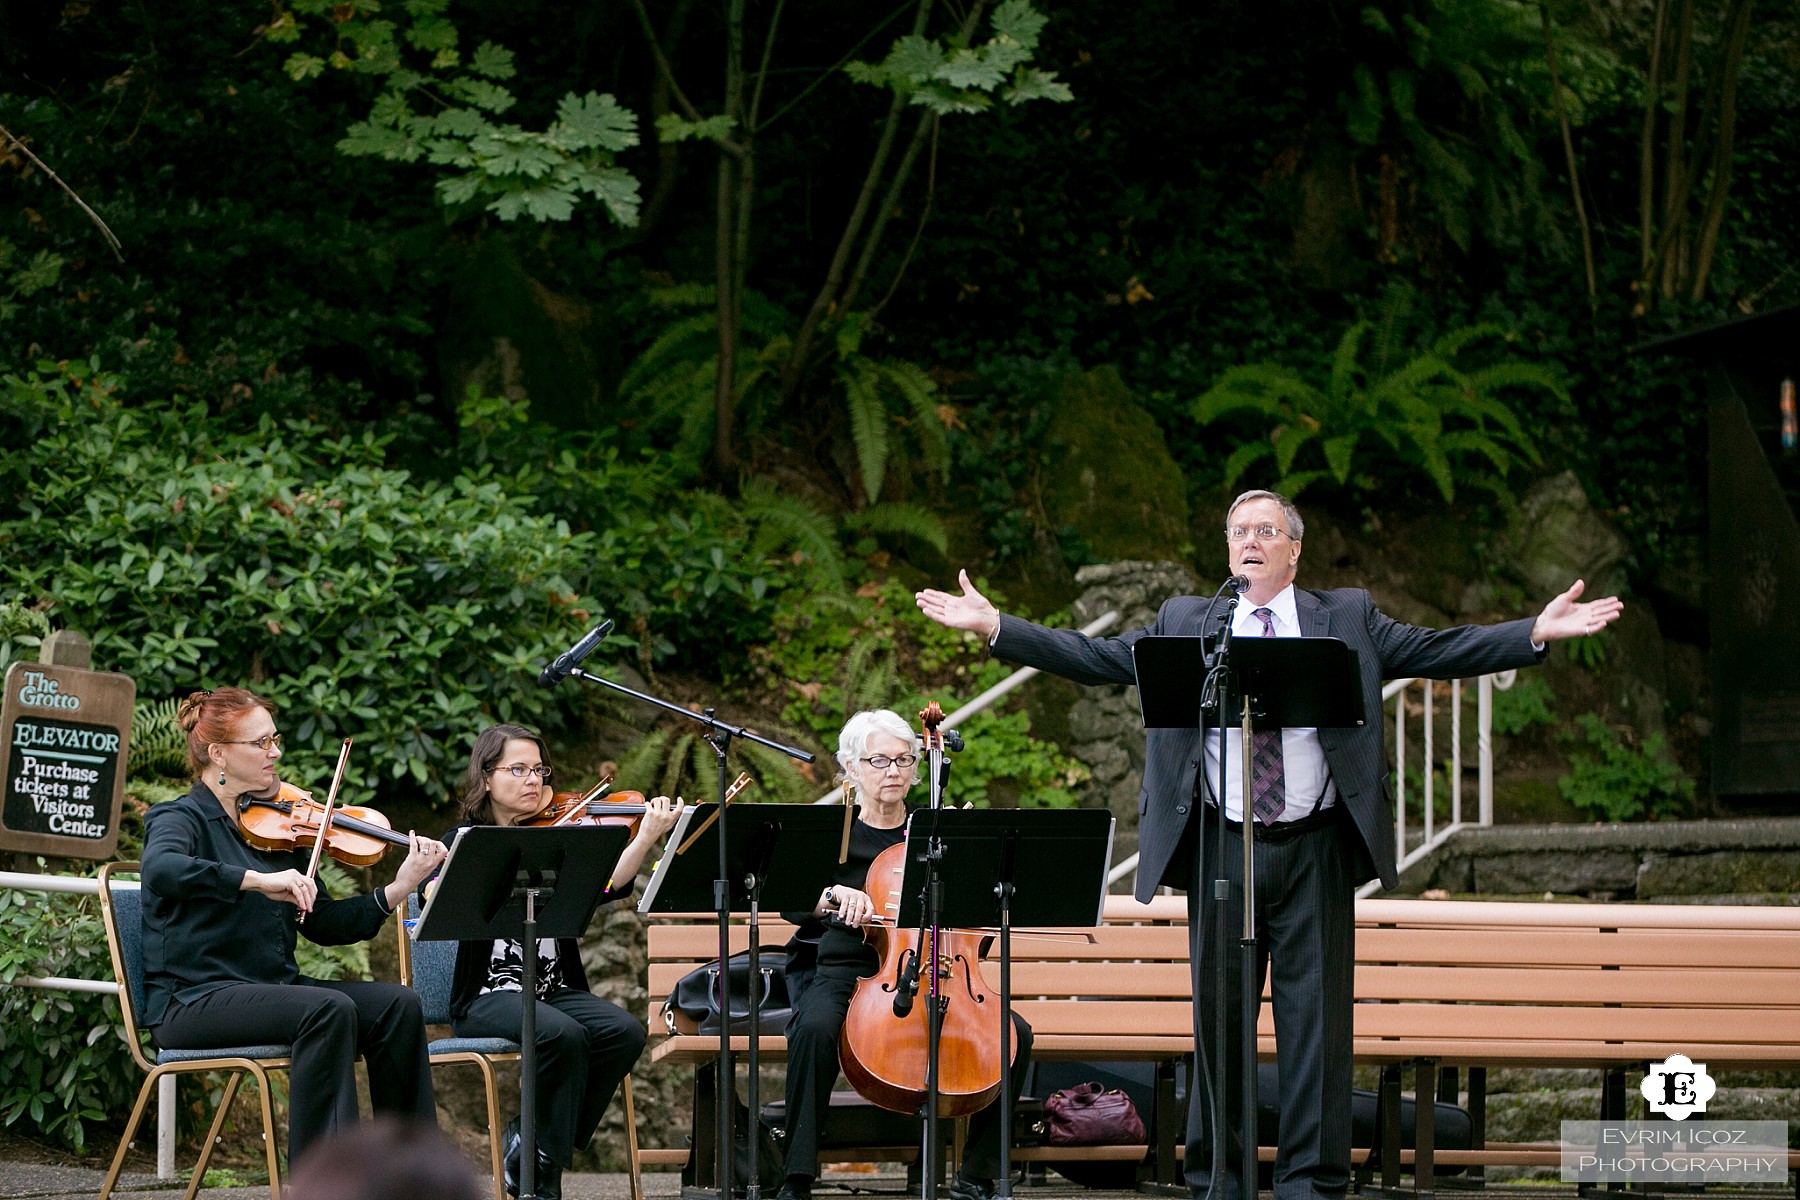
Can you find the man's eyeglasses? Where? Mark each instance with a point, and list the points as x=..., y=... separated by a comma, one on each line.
x=520, y=771
x=264, y=743
x=882, y=762
x=1238, y=533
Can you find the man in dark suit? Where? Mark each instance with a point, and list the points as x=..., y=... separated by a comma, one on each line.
x=1323, y=810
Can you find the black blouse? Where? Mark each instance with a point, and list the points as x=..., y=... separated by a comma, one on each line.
x=473, y=959
x=200, y=932
x=827, y=941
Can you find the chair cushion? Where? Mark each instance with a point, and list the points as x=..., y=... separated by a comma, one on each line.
x=462, y=1045
x=259, y=1052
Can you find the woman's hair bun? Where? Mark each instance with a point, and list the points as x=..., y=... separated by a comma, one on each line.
x=188, y=715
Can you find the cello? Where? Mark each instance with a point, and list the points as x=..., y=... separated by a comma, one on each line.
x=885, y=1044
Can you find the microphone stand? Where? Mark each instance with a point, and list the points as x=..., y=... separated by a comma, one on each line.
x=927, y=961
x=1214, y=697
x=719, y=735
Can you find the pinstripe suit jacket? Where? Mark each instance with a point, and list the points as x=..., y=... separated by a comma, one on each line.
x=1357, y=758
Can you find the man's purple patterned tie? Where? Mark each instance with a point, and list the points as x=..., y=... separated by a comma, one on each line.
x=1268, y=784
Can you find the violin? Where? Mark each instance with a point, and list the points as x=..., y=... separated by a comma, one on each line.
x=291, y=819
x=884, y=1047
x=568, y=810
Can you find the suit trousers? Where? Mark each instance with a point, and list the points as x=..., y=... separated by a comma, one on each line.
x=585, y=1047
x=812, y=1039
x=329, y=1023
x=1306, y=931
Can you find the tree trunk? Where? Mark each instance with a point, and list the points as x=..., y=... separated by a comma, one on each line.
x=728, y=271
x=1568, y=140
x=1647, y=144
x=1721, y=174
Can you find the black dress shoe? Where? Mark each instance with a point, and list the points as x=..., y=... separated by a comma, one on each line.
x=509, y=1150
x=549, y=1177
x=968, y=1187
x=796, y=1187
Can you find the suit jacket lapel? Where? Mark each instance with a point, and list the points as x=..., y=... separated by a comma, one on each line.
x=1311, y=614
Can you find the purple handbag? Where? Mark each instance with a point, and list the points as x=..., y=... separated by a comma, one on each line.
x=1089, y=1115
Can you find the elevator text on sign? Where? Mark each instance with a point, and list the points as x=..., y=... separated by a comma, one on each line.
x=63, y=777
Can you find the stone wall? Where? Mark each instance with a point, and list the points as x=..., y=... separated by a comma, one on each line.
x=1105, y=731
x=1718, y=862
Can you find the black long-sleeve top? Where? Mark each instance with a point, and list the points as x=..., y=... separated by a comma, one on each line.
x=473, y=959
x=826, y=941
x=200, y=932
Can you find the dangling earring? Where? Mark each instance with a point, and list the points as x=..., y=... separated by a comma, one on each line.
x=221, y=777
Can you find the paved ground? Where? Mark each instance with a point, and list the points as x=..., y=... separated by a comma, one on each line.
x=40, y=1181
x=35, y=1181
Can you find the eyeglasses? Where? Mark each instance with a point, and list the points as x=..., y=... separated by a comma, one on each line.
x=882, y=762
x=1263, y=533
x=520, y=771
x=264, y=743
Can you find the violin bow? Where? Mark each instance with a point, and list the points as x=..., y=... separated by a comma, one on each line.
x=737, y=785
x=580, y=806
x=337, y=778
x=849, y=816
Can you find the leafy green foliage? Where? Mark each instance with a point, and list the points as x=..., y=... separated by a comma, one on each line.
x=158, y=745
x=1425, y=413
x=1617, y=781
x=22, y=630
x=63, y=1060
x=20, y=278
x=357, y=598
x=437, y=106
x=840, y=653
x=945, y=77
x=887, y=402
x=880, y=395
x=1524, y=704
x=1450, y=88
x=1589, y=651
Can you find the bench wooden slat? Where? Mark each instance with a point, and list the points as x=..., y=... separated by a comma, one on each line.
x=1524, y=985
x=1556, y=947
x=1461, y=983
x=1512, y=914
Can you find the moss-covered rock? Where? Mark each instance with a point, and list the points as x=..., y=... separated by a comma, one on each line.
x=1109, y=479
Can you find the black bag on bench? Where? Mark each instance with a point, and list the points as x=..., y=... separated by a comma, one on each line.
x=696, y=994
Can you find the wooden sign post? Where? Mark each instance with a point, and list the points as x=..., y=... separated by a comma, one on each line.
x=64, y=734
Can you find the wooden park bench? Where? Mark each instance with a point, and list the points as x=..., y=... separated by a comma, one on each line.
x=1442, y=986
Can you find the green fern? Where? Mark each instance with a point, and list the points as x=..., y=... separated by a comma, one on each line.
x=788, y=522
x=904, y=520
x=1432, y=416
x=158, y=746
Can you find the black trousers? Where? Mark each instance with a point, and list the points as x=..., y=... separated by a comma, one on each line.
x=329, y=1023
x=1306, y=932
x=585, y=1046
x=812, y=1038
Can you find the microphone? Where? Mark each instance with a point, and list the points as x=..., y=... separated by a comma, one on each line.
x=1237, y=583
x=907, y=986
x=559, y=669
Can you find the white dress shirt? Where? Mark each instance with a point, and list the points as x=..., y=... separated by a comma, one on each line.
x=1309, y=785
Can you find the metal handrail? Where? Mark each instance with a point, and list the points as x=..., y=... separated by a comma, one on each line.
x=1099, y=624
x=165, y=1087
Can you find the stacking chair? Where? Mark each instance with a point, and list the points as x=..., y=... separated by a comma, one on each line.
x=121, y=907
x=428, y=968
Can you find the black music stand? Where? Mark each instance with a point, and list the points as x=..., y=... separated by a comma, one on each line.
x=779, y=855
x=523, y=883
x=982, y=868
x=1265, y=683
